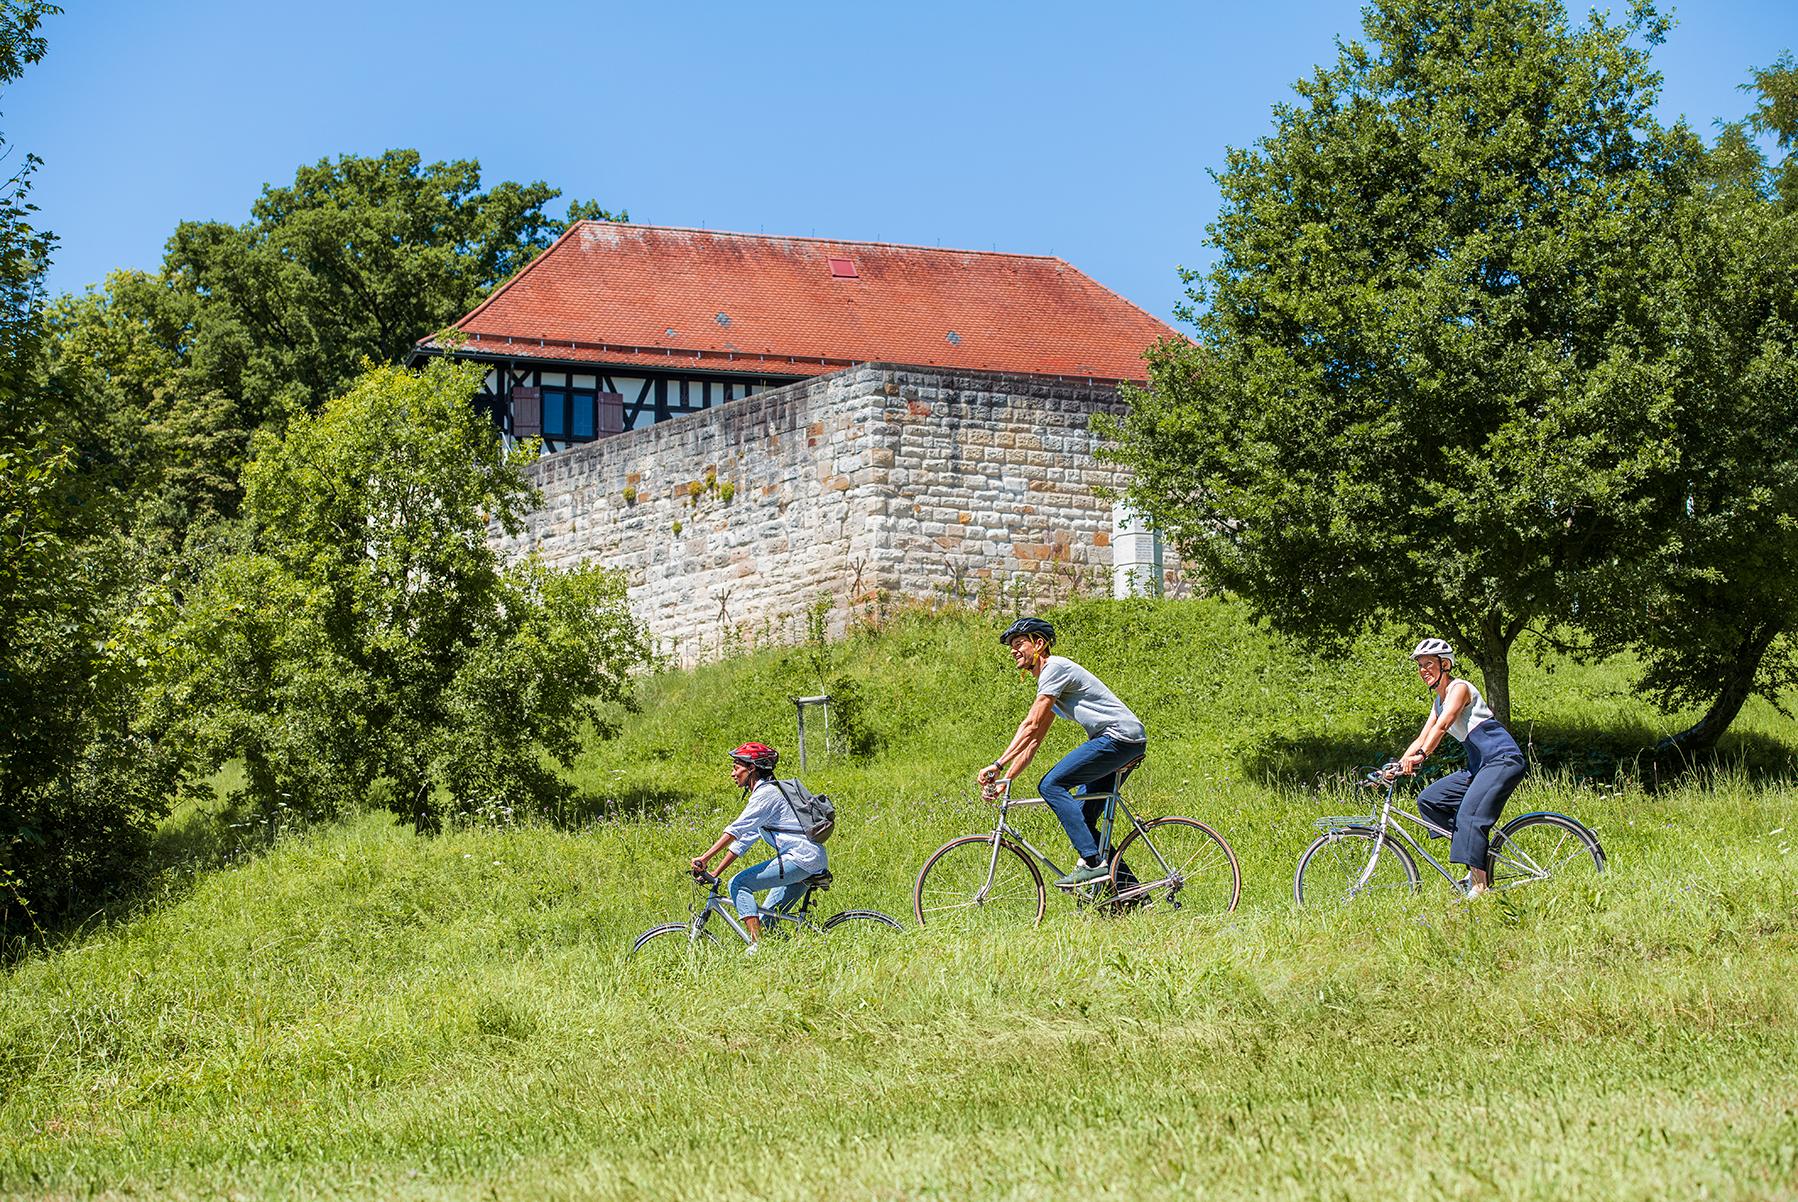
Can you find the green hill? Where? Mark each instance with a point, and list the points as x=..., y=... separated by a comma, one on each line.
x=358, y=1012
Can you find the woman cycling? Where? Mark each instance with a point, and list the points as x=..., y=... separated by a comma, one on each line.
x=1114, y=738
x=767, y=815
x=1469, y=801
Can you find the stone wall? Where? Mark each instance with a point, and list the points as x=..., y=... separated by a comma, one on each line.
x=877, y=479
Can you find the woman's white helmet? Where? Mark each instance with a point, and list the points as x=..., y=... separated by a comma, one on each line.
x=1434, y=647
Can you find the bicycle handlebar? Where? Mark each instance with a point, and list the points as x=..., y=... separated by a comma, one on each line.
x=1383, y=776
x=703, y=878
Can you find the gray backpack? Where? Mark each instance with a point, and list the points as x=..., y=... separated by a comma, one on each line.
x=817, y=816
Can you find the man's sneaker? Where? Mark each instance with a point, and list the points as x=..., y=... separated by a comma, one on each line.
x=1083, y=874
x=751, y=949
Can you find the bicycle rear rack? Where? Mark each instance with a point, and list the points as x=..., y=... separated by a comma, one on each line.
x=1338, y=823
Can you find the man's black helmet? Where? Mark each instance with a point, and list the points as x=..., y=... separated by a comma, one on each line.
x=1028, y=626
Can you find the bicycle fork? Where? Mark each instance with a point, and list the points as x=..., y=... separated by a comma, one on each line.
x=992, y=863
x=1373, y=861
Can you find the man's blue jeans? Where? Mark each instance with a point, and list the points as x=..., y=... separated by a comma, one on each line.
x=1092, y=767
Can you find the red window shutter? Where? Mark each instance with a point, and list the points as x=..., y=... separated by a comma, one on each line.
x=611, y=413
x=527, y=413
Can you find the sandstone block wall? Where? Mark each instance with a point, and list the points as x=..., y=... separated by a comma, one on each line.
x=921, y=483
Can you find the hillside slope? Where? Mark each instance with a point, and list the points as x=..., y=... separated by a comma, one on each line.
x=358, y=1012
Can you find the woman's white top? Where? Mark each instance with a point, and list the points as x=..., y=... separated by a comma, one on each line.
x=1472, y=714
x=766, y=808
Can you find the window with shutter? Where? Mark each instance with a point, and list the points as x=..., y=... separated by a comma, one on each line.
x=527, y=413
x=611, y=413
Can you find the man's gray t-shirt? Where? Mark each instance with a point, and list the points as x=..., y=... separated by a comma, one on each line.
x=1082, y=697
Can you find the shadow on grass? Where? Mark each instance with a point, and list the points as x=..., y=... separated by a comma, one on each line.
x=197, y=839
x=1634, y=752
x=208, y=836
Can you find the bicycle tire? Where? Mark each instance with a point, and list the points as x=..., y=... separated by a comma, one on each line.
x=1572, y=852
x=955, y=873
x=705, y=941
x=1349, y=865
x=1198, y=868
x=864, y=925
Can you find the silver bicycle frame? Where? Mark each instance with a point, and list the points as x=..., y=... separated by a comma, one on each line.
x=1384, y=826
x=714, y=904
x=1113, y=802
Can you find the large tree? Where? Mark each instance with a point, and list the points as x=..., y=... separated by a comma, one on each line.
x=1712, y=608
x=80, y=785
x=357, y=259
x=246, y=324
x=1420, y=389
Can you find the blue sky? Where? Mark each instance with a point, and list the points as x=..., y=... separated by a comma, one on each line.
x=1084, y=131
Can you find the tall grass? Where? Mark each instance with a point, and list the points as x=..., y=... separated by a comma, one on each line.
x=362, y=1013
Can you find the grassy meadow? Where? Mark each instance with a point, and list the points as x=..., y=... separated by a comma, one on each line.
x=359, y=1012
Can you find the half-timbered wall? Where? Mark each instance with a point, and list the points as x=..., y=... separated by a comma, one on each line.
x=878, y=479
x=570, y=404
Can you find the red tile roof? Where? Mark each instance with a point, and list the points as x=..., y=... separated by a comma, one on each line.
x=751, y=303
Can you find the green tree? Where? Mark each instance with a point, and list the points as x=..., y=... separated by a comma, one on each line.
x=1776, y=113
x=246, y=324
x=364, y=636
x=357, y=258
x=1712, y=607
x=80, y=784
x=1420, y=389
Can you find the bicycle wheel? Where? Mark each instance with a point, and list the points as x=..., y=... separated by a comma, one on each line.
x=1334, y=867
x=861, y=928
x=673, y=946
x=1543, y=846
x=956, y=888
x=1176, y=864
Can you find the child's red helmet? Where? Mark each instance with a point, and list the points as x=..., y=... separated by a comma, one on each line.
x=756, y=755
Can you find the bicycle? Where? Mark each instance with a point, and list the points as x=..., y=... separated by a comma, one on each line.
x=695, y=935
x=1346, y=861
x=998, y=875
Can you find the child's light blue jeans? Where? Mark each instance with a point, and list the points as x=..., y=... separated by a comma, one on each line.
x=778, y=875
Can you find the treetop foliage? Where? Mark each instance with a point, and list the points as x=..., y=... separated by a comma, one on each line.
x=1417, y=390
x=245, y=325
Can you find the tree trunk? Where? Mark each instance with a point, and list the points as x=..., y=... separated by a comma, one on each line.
x=1492, y=655
x=425, y=818
x=1737, y=687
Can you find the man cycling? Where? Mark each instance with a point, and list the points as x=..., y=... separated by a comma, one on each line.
x=1114, y=738
x=1467, y=802
x=767, y=815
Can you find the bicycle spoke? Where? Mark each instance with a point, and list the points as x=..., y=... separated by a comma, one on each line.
x=1541, y=847
x=1177, y=864
x=964, y=885
x=1336, y=869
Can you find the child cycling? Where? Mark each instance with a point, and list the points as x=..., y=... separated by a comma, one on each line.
x=1114, y=738
x=1469, y=801
x=767, y=815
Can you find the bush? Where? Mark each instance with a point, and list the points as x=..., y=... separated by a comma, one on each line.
x=365, y=637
